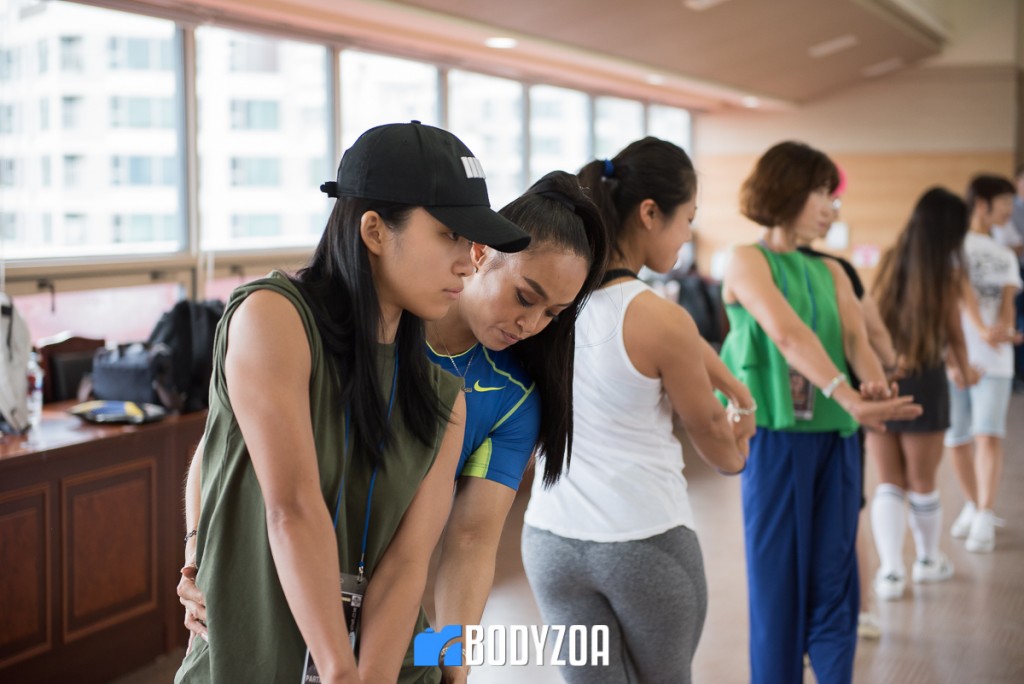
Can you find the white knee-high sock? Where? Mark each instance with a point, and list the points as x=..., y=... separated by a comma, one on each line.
x=926, y=523
x=889, y=525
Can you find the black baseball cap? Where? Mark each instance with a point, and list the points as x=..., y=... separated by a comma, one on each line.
x=424, y=166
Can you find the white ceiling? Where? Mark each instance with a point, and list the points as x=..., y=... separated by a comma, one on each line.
x=759, y=46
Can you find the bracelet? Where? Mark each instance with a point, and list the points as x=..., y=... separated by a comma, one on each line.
x=738, y=411
x=831, y=387
x=443, y=651
x=190, y=535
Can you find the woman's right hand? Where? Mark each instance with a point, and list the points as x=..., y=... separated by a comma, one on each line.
x=873, y=414
x=192, y=598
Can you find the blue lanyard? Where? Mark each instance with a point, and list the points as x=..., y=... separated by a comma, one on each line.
x=373, y=477
x=784, y=286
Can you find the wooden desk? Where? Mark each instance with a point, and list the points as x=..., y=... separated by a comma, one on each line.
x=90, y=546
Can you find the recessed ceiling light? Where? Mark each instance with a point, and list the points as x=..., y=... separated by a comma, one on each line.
x=751, y=102
x=655, y=79
x=701, y=5
x=880, y=68
x=501, y=43
x=830, y=47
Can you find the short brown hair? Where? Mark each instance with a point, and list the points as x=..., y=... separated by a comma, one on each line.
x=784, y=177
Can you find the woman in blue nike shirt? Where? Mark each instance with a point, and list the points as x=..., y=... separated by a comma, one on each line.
x=510, y=339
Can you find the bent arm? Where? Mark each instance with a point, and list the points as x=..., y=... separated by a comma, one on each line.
x=469, y=550
x=268, y=348
x=878, y=334
x=396, y=588
x=856, y=344
x=748, y=281
x=193, y=501
x=662, y=341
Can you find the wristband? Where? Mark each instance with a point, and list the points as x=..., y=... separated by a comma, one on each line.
x=831, y=387
x=738, y=411
x=190, y=535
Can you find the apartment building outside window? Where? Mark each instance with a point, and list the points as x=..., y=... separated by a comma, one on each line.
x=255, y=115
x=72, y=58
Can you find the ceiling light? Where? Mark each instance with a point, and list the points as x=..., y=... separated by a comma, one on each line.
x=830, y=47
x=751, y=102
x=882, y=67
x=701, y=5
x=501, y=43
x=655, y=79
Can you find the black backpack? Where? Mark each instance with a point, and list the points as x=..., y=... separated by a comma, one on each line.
x=188, y=330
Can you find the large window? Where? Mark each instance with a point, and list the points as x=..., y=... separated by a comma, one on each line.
x=558, y=141
x=487, y=114
x=263, y=123
x=93, y=147
x=669, y=123
x=378, y=90
x=617, y=123
x=77, y=169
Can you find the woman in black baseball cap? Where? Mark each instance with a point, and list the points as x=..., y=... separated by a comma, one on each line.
x=332, y=442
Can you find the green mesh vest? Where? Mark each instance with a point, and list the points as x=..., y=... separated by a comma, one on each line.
x=253, y=637
x=755, y=360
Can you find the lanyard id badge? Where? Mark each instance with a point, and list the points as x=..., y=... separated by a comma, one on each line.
x=801, y=391
x=353, y=587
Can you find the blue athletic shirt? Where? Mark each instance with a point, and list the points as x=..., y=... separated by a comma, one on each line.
x=502, y=414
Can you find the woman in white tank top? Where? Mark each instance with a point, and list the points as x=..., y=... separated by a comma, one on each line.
x=612, y=543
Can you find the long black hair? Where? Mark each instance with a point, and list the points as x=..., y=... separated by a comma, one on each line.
x=337, y=283
x=920, y=274
x=650, y=168
x=558, y=214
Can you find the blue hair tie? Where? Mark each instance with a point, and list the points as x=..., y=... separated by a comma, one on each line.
x=609, y=169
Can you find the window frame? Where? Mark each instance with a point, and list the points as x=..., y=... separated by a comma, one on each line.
x=189, y=266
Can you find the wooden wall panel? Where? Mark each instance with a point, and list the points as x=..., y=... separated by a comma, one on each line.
x=26, y=627
x=881, y=192
x=109, y=523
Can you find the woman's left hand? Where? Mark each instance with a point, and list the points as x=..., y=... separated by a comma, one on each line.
x=743, y=428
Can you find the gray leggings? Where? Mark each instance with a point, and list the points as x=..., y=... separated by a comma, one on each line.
x=651, y=593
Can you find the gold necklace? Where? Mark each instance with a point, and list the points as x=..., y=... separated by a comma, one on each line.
x=451, y=359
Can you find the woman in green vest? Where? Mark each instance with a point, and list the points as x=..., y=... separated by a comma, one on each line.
x=793, y=321
x=331, y=442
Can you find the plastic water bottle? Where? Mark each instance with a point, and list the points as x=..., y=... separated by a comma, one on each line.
x=35, y=392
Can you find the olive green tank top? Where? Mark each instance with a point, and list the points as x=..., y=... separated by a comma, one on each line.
x=253, y=636
x=753, y=358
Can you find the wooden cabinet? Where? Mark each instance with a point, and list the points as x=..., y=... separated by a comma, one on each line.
x=90, y=547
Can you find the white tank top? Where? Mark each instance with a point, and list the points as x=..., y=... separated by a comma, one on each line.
x=625, y=480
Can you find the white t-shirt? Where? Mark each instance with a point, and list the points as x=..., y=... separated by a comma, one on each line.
x=990, y=267
x=625, y=480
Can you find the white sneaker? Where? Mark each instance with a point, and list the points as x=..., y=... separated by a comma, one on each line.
x=932, y=569
x=962, y=525
x=889, y=587
x=982, y=537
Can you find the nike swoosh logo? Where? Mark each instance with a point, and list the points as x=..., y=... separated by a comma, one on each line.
x=480, y=388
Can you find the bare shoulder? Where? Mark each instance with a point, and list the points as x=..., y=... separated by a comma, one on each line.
x=266, y=311
x=267, y=326
x=657, y=314
x=655, y=331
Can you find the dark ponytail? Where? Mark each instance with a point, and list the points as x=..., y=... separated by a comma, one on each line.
x=646, y=169
x=337, y=283
x=557, y=214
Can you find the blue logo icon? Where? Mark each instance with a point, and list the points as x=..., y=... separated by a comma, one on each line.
x=426, y=647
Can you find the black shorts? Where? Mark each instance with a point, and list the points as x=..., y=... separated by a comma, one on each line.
x=930, y=389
